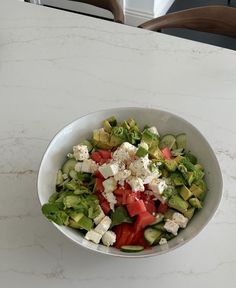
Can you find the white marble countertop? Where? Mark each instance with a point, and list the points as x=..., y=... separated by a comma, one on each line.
x=55, y=67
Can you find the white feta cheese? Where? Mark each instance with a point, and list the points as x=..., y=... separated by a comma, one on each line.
x=125, y=153
x=153, y=129
x=157, y=186
x=93, y=236
x=171, y=227
x=139, y=167
x=108, y=170
x=88, y=166
x=81, y=152
x=109, y=238
x=122, y=175
x=99, y=218
x=179, y=219
x=103, y=226
x=111, y=199
x=109, y=185
x=136, y=183
x=163, y=241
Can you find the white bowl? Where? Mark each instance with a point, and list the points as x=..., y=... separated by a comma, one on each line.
x=166, y=122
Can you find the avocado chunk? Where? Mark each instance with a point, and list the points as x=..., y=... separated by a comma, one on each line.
x=101, y=139
x=85, y=223
x=149, y=138
x=189, y=213
x=197, y=191
x=178, y=203
x=142, y=150
x=112, y=121
x=185, y=193
x=76, y=216
x=71, y=201
x=115, y=141
x=177, y=179
x=170, y=165
x=195, y=203
x=155, y=153
x=169, y=213
x=107, y=126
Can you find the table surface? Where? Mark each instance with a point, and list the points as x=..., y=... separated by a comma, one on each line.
x=57, y=66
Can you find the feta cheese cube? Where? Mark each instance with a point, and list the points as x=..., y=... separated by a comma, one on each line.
x=81, y=152
x=99, y=218
x=163, y=241
x=139, y=167
x=88, y=166
x=153, y=129
x=103, y=226
x=109, y=185
x=124, y=153
x=171, y=227
x=157, y=186
x=108, y=170
x=93, y=236
x=180, y=219
x=109, y=238
x=136, y=183
x=122, y=175
x=110, y=198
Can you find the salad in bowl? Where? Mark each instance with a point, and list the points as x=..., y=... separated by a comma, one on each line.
x=128, y=187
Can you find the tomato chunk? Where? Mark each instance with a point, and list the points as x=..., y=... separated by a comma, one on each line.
x=136, y=207
x=96, y=157
x=99, y=175
x=166, y=153
x=124, y=234
x=105, y=207
x=144, y=219
x=149, y=202
x=98, y=185
x=162, y=208
x=105, y=154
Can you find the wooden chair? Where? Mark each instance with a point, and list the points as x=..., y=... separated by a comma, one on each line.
x=112, y=5
x=212, y=19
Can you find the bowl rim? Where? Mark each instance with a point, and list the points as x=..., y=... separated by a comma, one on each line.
x=123, y=254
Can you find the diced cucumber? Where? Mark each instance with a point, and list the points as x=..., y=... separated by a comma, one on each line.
x=73, y=174
x=160, y=226
x=60, y=178
x=68, y=165
x=181, y=141
x=152, y=236
x=159, y=218
x=168, y=141
x=197, y=191
x=131, y=248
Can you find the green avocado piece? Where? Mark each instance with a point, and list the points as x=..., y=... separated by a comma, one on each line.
x=197, y=191
x=185, y=193
x=195, y=203
x=177, y=179
x=142, y=151
x=169, y=213
x=112, y=121
x=155, y=152
x=189, y=213
x=107, y=126
x=85, y=223
x=178, y=203
x=170, y=165
x=76, y=216
x=71, y=201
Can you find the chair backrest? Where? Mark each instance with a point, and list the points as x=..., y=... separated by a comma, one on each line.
x=112, y=5
x=212, y=19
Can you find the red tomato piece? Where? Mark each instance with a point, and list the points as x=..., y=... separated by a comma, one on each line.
x=166, y=153
x=144, y=219
x=105, y=154
x=96, y=157
x=124, y=234
x=131, y=198
x=162, y=208
x=99, y=185
x=119, y=191
x=99, y=175
x=149, y=202
x=136, y=208
x=105, y=207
